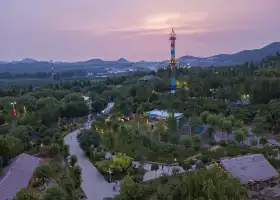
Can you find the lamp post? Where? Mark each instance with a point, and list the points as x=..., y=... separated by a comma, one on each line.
x=110, y=172
x=14, y=111
x=13, y=104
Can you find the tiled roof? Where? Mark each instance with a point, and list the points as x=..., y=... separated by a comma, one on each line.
x=18, y=176
x=249, y=168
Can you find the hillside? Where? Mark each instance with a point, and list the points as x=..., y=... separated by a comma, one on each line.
x=231, y=59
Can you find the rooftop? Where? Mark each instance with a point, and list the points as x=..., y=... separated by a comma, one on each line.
x=271, y=192
x=249, y=168
x=18, y=175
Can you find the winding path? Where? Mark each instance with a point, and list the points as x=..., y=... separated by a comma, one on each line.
x=94, y=185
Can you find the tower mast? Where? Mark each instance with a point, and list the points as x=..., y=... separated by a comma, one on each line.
x=172, y=39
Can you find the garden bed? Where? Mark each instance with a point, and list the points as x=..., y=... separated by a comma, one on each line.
x=117, y=175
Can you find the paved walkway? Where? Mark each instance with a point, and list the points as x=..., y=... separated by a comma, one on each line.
x=94, y=185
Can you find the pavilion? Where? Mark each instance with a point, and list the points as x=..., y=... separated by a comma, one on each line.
x=256, y=172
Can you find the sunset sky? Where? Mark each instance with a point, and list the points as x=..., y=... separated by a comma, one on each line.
x=71, y=30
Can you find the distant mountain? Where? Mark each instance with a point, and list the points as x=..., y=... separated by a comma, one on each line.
x=93, y=61
x=231, y=59
x=122, y=60
x=26, y=60
x=29, y=64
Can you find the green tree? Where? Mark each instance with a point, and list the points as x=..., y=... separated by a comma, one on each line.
x=25, y=194
x=10, y=146
x=66, y=151
x=186, y=141
x=211, y=183
x=67, y=184
x=54, y=149
x=77, y=176
x=197, y=139
x=120, y=162
x=43, y=172
x=263, y=140
x=212, y=121
x=88, y=138
x=130, y=190
x=54, y=192
x=227, y=125
x=73, y=160
x=239, y=135
x=204, y=116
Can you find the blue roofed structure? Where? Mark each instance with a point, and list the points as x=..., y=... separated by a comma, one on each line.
x=163, y=114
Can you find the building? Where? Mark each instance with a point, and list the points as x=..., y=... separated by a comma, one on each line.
x=162, y=114
x=249, y=168
x=257, y=173
x=17, y=175
x=156, y=115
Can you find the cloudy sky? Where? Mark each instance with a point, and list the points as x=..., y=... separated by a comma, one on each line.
x=70, y=30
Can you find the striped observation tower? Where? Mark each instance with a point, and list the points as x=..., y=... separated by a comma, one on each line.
x=172, y=39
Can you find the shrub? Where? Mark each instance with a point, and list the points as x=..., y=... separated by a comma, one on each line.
x=192, y=162
x=88, y=153
x=54, y=149
x=223, y=143
x=141, y=170
x=163, y=178
x=99, y=156
x=186, y=166
x=200, y=165
x=175, y=170
x=244, y=151
x=131, y=171
x=138, y=178
x=205, y=159
x=219, y=153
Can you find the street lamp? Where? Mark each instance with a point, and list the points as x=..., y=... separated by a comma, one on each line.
x=13, y=104
x=14, y=110
x=110, y=174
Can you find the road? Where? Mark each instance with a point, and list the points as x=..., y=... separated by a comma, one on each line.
x=94, y=185
x=108, y=108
